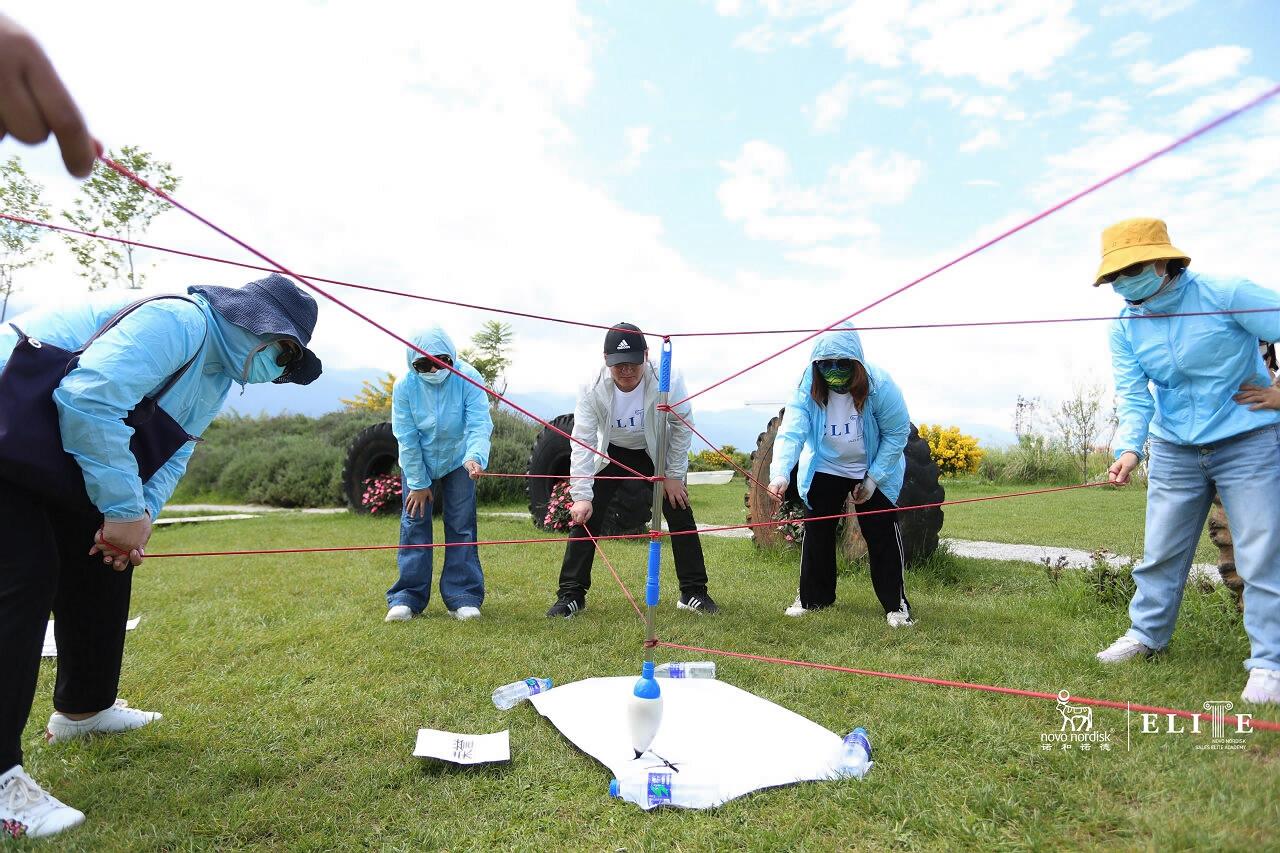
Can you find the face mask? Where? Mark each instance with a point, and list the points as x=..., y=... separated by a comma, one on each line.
x=1136, y=288
x=434, y=378
x=263, y=367
x=838, y=380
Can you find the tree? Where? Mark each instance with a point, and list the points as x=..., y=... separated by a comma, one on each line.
x=1077, y=423
x=111, y=204
x=373, y=397
x=19, y=196
x=490, y=354
x=1024, y=416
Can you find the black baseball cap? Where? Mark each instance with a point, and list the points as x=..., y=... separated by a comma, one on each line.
x=624, y=344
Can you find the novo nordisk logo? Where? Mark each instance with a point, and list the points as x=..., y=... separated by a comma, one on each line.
x=623, y=344
x=1076, y=730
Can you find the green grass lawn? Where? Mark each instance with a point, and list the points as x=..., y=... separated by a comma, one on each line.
x=291, y=709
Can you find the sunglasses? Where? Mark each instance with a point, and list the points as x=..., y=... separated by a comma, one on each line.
x=834, y=364
x=426, y=365
x=290, y=353
x=1132, y=269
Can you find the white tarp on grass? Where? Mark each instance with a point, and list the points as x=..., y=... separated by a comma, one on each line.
x=716, y=742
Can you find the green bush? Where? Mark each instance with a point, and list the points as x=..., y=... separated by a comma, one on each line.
x=710, y=460
x=513, y=436
x=282, y=460
x=296, y=461
x=1033, y=460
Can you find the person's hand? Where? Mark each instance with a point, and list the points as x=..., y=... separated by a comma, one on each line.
x=416, y=504
x=778, y=487
x=33, y=100
x=1257, y=397
x=675, y=492
x=864, y=490
x=473, y=468
x=1118, y=473
x=580, y=512
x=122, y=543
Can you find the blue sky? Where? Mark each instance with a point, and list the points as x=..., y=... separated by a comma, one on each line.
x=691, y=166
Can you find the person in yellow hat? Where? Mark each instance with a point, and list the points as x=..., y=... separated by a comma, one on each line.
x=1182, y=348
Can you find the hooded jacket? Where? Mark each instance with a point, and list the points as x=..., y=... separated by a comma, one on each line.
x=1175, y=376
x=886, y=423
x=592, y=425
x=440, y=425
x=132, y=360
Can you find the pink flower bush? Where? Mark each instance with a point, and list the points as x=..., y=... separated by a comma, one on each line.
x=557, y=517
x=790, y=515
x=382, y=493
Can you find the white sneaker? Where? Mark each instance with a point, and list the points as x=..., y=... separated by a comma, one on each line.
x=1263, y=687
x=465, y=613
x=899, y=619
x=118, y=718
x=399, y=613
x=1123, y=649
x=796, y=609
x=28, y=811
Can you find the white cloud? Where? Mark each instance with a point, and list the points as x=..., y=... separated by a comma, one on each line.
x=831, y=105
x=982, y=182
x=872, y=31
x=888, y=93
x=1153, y=9
x=638, y=145
x=1111, y=114
x=1197, y=69
x=1130, y=43
x=1211, y=106
x=759, y=193
x=731, y=8
x=994, y=41
x=987, y=138
x=758, y=39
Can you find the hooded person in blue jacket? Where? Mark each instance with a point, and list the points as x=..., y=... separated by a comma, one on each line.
x=442, y=424
x=61, y=560
x=1184, y=382
x=847, y=426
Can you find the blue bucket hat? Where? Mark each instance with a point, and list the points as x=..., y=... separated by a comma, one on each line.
x=271, y=306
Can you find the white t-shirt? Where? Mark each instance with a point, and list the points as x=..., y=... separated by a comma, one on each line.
x=844, y=450
x=627, y=427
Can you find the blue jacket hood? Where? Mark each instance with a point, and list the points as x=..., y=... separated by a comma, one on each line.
x=840, y=342
x=435, y=341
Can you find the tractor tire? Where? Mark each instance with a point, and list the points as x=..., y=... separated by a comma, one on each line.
x=373, y=452
x=632, y=506
x=920, y=487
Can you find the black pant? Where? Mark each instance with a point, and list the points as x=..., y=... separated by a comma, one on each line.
x=827, y=495
x=45, y=566
x=580, y=553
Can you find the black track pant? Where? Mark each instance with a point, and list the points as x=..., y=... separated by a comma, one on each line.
x=575, y=572
x=45, y=566
x=827, y=495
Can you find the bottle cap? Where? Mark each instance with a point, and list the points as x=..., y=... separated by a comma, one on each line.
x=613, y=787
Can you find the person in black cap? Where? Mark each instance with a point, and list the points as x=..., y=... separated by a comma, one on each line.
x=62, y=559
x=617, y=415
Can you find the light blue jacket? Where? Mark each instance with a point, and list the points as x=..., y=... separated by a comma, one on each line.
x=885, y=421
x=135, y=359
x=1175, y=376
x=439, y=426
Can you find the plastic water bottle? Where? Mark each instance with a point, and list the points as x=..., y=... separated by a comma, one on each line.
x=692, y=669
x=509, y=695
x=854, y=759
x=665, y=788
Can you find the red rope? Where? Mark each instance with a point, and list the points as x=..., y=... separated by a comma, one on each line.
x=280, y=267
x=667, y=408
x=1014, y=230
x=1262, y=724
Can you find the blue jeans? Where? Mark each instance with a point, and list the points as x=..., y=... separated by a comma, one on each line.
x=1246, y=471
x=461, y=580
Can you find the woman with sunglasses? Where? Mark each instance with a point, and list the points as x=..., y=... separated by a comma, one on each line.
x=1183, y=348
x=73, y=555
x=442, y=424
x=846, y=425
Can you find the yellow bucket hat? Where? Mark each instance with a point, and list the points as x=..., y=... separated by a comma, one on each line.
x=1135, y=241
